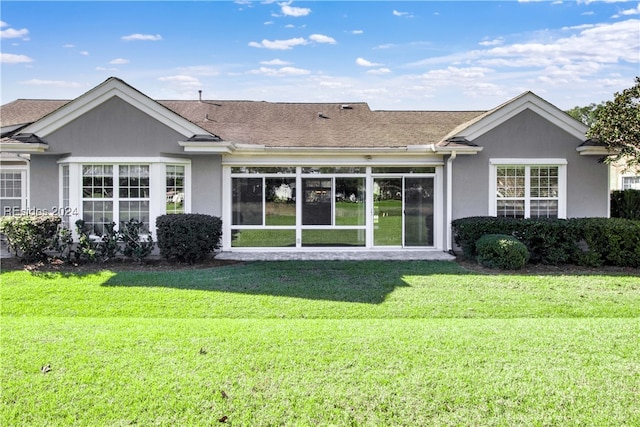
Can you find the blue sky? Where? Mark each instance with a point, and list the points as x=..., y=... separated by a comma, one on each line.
x=415, y=55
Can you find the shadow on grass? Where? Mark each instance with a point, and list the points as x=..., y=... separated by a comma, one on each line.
x=367, y=282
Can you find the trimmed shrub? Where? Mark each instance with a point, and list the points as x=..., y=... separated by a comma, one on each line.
x=188, y=237
x=607, y=241
x=501, y=251
x=29, y=236
x=625, y=204
x=584, y=241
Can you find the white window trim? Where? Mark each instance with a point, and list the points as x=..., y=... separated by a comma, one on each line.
x=562, y=182
x=623, y=176
x=157, y=183
x=24, y=183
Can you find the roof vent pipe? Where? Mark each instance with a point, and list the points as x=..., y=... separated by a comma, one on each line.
x=200, y=95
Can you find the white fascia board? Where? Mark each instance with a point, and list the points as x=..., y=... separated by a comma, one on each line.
x=101, y=94
x=595, y=151
x=15, y=147
x=214, y=147
x=527, y=102
x=459, y=150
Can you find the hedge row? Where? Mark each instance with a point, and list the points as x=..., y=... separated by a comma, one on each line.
x=181, y=237
x=589, y=242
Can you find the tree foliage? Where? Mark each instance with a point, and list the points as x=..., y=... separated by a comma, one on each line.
x=587, y=115
x=617, y=125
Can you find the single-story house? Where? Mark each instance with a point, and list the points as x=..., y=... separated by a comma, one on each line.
x=296, y=176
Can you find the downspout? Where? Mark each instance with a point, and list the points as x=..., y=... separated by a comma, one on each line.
x=450, y=160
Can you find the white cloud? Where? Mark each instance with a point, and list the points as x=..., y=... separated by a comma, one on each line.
x=494, y=42
x=364, y=63
x=357, y=32
x=404, y=14
x=279, y=44
x=280, y=72
x=182, y=82
x=11, y=33
x=106, y=69
x=293, y=11
x=379, y=71
x=142, y=37
x=628, y=12
x=10, y=58
x=53, y=83
x=275, y=62
x=321, y=38
x=69, y=46
x=84, y=53
x=119, y=61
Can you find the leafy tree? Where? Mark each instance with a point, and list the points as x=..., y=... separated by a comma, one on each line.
x=587, y=115
x=617, y=125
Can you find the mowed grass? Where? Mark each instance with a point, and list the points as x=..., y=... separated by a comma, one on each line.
x=320, y=343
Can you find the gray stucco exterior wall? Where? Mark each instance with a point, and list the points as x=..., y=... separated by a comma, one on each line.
x=44, y=183
x=530, y=136
x=206, y=175
x=115, y=128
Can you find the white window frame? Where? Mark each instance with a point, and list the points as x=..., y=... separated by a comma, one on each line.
x=634, y=186
x=157, y=184
x=561, y=164
x=24, y=185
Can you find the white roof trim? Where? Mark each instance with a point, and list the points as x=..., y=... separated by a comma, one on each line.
x=528, y=101
x=591, y=150
x=100, y=94
x=24, y=147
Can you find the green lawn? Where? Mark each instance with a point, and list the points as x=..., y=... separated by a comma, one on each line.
x=320, y=343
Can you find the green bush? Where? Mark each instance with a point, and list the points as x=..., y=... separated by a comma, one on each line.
x=29, y=236
x=188, y=237
x=625, y=204
x=607, y=241
x=135, y=246
x=584, y=241
x=501, y=251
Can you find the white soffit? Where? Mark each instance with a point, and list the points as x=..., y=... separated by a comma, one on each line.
x=528, y=101
x=102, y=93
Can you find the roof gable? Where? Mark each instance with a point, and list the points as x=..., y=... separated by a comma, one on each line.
x=526, y=101
x=112, y=87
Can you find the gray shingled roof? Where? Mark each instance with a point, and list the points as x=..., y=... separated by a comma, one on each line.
x=278, y=124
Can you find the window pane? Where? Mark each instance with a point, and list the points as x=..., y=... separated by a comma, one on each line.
x=96, y=213
x=134, y=181
x=544, y=181
x=10, y=184
x=510, y=181
x=333, y=238
x=251, y=169
x=97, y=181
x=334, y=170
x=631, y=183
x=280, y=201
x=138, y=210
x=247, y=201
x=316, y=205
x=350, y=201
x=510, y=208
x=175, y=189
x=422, y=169
x=544, y=209
x=263, y=238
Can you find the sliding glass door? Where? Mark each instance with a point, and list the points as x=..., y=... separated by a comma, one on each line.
x=403, y=211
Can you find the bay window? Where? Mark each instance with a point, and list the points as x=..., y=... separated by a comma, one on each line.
x=105, y=192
